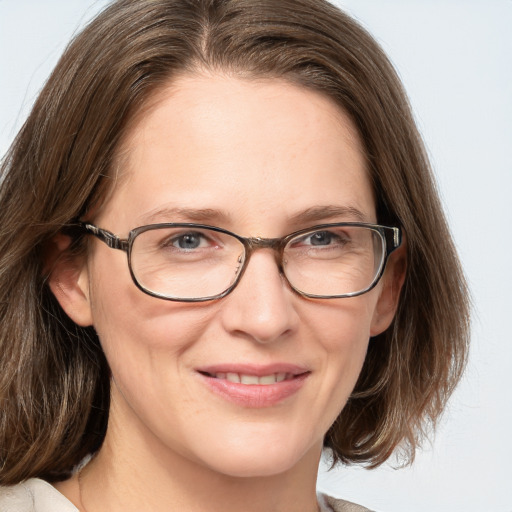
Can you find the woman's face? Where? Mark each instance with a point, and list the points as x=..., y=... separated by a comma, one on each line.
x=259, y=158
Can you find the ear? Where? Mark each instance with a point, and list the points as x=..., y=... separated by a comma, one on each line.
x=393, y=280
x=68, y=279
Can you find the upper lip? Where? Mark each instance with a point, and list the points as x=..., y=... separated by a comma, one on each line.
x=253, y=369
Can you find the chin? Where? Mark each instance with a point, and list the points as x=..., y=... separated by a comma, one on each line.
x=242, y=467
x=261, y=459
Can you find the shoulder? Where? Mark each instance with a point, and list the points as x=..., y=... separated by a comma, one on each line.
x=329, y=504
x=34, y=495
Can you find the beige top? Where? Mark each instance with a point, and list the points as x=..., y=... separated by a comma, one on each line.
x=36, y=495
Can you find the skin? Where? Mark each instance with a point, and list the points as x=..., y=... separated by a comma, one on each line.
x=259, y=154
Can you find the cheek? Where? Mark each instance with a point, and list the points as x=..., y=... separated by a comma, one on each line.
x=146, y=342
x=135, y=329
x=342, y=330
x=342, y=324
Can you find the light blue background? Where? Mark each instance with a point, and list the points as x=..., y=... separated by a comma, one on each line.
x=455, y=58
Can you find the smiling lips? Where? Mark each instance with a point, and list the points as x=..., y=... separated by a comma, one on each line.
x=251, y=380
x=254, y=387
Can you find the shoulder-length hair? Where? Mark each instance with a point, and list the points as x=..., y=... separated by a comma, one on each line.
x=55, y=382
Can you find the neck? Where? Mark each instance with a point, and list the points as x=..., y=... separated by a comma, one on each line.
x=134, y=472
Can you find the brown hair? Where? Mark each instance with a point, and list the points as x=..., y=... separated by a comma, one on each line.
x=54, y=383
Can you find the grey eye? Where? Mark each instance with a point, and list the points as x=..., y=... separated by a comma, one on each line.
x=321, y=238
x=188, y=241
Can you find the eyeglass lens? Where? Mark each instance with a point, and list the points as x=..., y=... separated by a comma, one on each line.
x=192, y=263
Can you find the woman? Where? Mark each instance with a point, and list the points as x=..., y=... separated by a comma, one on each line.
x=222, y=251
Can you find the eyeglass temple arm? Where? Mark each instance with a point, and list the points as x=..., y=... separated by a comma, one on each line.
x=105, y=236
x=393, y=239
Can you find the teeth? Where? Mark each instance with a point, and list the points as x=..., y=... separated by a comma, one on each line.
x=249, y=379
x=268, y=379
x=252, y=380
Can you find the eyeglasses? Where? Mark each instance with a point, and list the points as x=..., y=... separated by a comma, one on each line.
x=196, y=263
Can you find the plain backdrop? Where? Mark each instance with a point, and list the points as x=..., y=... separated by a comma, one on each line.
x=455, y=58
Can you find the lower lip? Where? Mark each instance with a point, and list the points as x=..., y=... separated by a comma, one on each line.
x=255, y=395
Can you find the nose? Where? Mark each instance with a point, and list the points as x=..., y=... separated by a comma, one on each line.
x=261, y=307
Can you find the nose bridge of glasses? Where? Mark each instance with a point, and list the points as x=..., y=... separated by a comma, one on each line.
x=274, y=244
x=264, y=243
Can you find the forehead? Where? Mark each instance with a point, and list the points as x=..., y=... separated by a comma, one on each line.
x=246, y=147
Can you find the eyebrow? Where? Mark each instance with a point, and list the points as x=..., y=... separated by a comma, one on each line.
x=199, y=215
x=213, y=216
x=329, y=212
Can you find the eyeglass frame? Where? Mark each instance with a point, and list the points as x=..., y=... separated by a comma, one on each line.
x=391, y=235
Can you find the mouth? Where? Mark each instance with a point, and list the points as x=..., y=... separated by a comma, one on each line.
x=251, y=380
x=254, y=387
